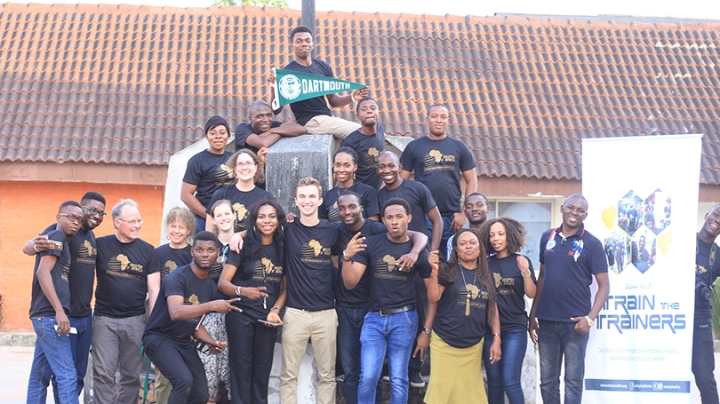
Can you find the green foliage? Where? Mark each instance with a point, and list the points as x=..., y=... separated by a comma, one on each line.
x=716, y=310
x=259, y=3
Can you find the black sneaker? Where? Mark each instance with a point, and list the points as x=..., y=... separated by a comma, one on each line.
x=416, y=380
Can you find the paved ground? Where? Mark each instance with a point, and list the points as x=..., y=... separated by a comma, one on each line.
x=15, y=367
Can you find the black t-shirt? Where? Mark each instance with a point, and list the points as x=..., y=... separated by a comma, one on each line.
x=83, y=252
x=39, y=304
x=359, y=295
x=418, y=196
x=208, y=172
x=451, y=324
x=308, y=266
x=172, y=258
x=367, y=148
x=510, y=287
x=241, y=202
x=368, y=197
x=122, y=271
x=182, y=282
x=244, y=130
x=705, y=274
x=266, y=271
x=307, y=109
x=439, y=164
x=390, y=288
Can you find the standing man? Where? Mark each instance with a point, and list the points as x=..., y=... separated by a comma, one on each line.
x=49, y=309
x=261, y=130
x=127, y=272
x=310, y=302
x=314, y=113
x=438, y=162
x=476, y=209
x=569, y=257
x=187, y=294
x=707, y=268
x=390, y=326
x=368, y=142
x=421, y=204
x=83, y=252
x=352, y=304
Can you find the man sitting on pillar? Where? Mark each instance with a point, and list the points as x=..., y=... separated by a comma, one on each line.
x=261, y=130
x=314, y=113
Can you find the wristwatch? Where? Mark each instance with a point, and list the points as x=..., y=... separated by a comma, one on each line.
x=427, y=331
x=346, y=258
x=590, y=321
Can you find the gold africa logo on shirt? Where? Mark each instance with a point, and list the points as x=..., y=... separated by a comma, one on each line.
x=122, y=263
x=435, y=160
x=240, y=211
x=269, y=267
x=498, y=280
x=224, y=175
x=389, y=262
x=170, y=265
x=193, y=300
x=86, y=250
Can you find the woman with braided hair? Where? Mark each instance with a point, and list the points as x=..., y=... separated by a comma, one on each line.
x=513, y=277
x=459, y=321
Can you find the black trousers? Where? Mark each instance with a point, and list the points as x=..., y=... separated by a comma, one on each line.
x=251, y=347
x=181, y=365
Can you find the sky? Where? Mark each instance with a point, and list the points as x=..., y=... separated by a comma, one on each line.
x=700, y=9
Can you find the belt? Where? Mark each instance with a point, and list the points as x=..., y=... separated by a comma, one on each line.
x=389, y=312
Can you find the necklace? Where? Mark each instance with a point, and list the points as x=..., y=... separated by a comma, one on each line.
x=469, y=289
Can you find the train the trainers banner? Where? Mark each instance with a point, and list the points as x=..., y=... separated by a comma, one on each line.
x=643, y=198
x=292, y=86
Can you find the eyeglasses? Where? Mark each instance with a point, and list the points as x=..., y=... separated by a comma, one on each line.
x=71, y=218
x=245, y=164
x=137, y=222
x=94, y=211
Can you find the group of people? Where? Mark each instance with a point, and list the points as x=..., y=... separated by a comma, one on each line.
x=379, y=269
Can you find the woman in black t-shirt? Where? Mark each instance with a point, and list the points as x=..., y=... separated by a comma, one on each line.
x=465, y=310
x=256, y=275
x=344, y=168
x=504, y=237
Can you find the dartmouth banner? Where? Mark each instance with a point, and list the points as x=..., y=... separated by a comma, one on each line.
x=642, y=193
x=292, y=86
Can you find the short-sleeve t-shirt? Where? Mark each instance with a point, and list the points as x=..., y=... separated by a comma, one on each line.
x=308, y=266
x=122, y=271
x=705, y=274
x=451, y=324
x=368, y=197
x=418, y=196
x=171, y=259
x=307, y=109
x=439, y=164
x=510, y=288
x=39, y=304
x=182, y=282
x=208, y=172
x=83, y=252
x=367, y=147
x=358, y=296
x=241, y=202
x=389, y=287
x=570, y=264
x=265, y=271
x=244, y=130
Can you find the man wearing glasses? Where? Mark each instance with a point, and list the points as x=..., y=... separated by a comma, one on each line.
x=49, y=310
x=83, y=251
x=127, y=271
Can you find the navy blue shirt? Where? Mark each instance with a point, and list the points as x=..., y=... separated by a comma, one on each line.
x=451, y=324
x=368, y=197
x=307, y=109
x=241, y=202
x=265, y=271
x=510, y=288
x=171, y=259
x=208, y=172
x=359, y=295
x=418, y=196
x=367, y=147
x=570, y=264
x=39, y=304
x=243, y=132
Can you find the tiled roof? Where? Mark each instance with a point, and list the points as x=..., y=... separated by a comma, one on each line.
x=134, y=84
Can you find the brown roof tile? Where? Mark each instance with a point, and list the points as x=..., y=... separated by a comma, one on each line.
x=134, y=84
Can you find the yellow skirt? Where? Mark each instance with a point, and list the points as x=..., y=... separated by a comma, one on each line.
x=456, y=374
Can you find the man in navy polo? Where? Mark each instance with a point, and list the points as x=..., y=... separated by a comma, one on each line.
x=569, y=257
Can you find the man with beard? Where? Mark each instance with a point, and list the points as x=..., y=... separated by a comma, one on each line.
x=83, y=251
x=476, y=209
x=187, y=294
x=368, y=142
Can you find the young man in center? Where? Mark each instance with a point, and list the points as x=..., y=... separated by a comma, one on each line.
x=310, y=302
x=390, y=326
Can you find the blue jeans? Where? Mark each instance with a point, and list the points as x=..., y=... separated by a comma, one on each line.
x=703, y=361
x=199, y=224
x=350, y=322
x=556, y=340
x=80, y=346
x=446, y=233
x=52, y=351
x=393, y=335
x=503, y=377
